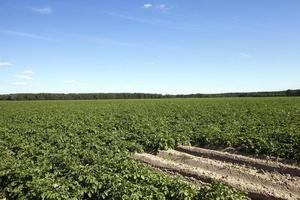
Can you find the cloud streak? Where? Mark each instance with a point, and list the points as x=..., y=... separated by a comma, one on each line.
x=204, y=25
x=143, y=45
x=28, y=72
x=147, y=5
x=19, y=83
x=43, y=10
x=5, y=64
x=161, y=7
x=25, y=75
x=108, y=41
x=22, y=76
x=174, y=25
x=126, y=17
x=26, y=35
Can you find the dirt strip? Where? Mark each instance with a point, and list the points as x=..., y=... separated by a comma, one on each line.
x=266, y=165
x=258, y=185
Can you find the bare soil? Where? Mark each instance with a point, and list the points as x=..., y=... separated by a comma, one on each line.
x=261, y=179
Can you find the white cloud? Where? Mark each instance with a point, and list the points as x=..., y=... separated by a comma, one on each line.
x=26, y=77
x=44, y=10
x=246, y=55
x=157, y=7
x=19, y=83
x=5, y=64
x=71, y=82
x=27, y=72
x=147, y=5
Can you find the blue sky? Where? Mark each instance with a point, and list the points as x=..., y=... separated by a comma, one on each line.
x=175, y=46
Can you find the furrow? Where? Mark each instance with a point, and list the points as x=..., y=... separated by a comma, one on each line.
x=239, y=159
x=258, y=186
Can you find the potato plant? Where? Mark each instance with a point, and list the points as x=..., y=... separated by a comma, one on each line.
x=82, y=149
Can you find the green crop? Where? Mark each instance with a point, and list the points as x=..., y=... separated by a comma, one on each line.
x=82, y=149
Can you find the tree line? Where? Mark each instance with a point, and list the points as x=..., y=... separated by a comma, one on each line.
x=86, y=96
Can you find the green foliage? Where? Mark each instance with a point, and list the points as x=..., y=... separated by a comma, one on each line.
x=220, y=191
x=82, y=149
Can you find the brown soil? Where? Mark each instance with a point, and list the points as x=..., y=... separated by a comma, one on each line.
x=266, y=165
x=259, y=178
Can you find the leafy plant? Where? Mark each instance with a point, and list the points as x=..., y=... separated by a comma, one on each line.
x=82, y=149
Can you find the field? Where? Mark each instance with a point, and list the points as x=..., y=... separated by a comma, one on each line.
x=83, y=149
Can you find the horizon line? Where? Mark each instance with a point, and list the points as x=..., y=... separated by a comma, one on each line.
x=150, y=93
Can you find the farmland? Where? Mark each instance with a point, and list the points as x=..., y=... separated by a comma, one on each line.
x=83, y=149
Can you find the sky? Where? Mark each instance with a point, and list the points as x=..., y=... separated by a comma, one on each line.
x=151, y=46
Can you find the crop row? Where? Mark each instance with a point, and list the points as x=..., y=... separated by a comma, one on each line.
x=82, y=149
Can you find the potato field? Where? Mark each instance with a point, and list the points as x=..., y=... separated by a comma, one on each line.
x=83, y=149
